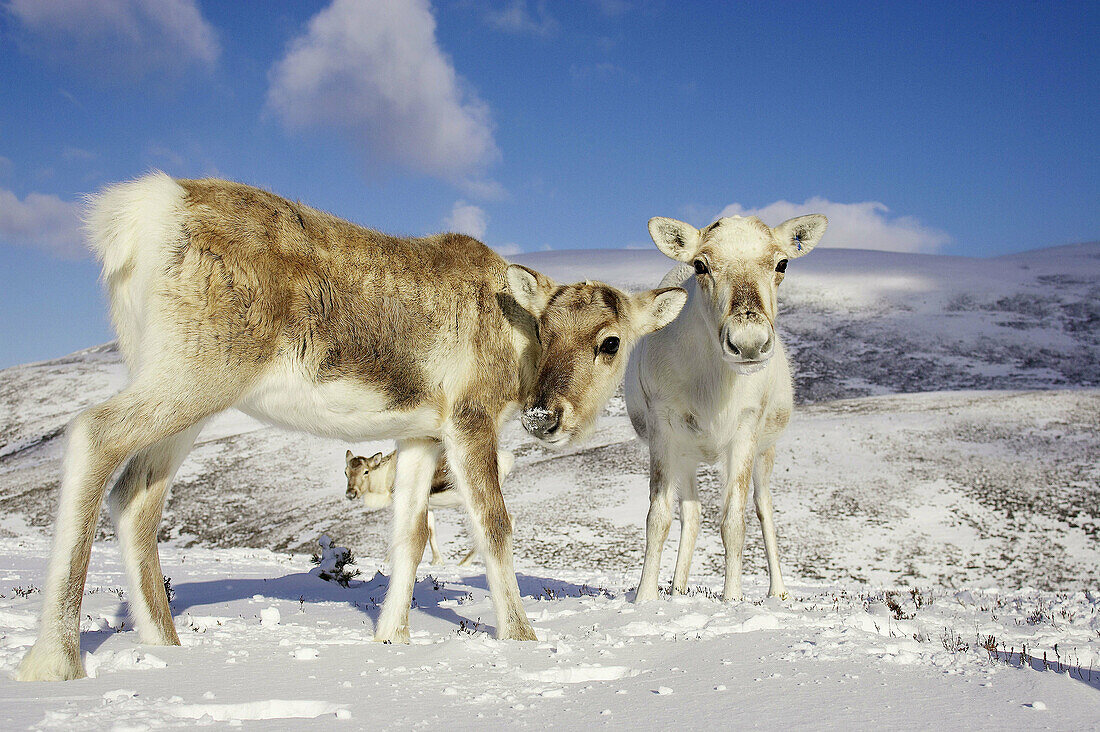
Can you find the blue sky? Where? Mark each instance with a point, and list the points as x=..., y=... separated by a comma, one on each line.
x=955, y=128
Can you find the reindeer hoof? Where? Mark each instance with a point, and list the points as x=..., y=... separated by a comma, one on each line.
x=401, y=635
x=50, y=664
x=519, y=632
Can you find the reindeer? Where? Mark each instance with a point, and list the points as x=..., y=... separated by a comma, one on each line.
x=715, y=386
x=224, y=295
x=370, y=479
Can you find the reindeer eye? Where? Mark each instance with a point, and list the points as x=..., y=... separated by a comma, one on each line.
x=700, y=267
x=782, y=266
x=610, y=345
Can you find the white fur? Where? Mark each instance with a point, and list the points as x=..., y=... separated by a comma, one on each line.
x=694, y=399
x=416, y=460
x=54, y=656
x=343, y=409
x=131, y=227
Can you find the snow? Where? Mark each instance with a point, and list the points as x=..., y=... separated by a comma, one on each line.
x=832, y=653
x=936, y=499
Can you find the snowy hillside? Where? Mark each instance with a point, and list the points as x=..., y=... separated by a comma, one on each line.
x=946, y=440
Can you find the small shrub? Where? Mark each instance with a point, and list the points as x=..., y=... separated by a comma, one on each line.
x=335, y=563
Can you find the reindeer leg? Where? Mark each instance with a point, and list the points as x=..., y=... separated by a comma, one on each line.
x=762, y=496
x=136, y=502
x=666, y=473
x=100, y=439
x=416, y=460
x=471, y=448
x=437, y=558
x=689, y=532
x=469, y=557
x=734, y=495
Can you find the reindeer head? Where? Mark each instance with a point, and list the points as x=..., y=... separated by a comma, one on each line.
x=738, y=264
x=369, y=478
x=586, y=332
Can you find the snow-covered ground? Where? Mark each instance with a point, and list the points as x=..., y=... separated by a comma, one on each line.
x=945, y=443
x=263, y=639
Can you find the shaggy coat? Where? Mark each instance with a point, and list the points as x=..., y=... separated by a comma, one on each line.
x=224, y=295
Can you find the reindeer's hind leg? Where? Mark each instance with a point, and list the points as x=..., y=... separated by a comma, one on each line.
x=100, y=439
x=762, y=496
x=437, y=558
x=689, y=532
x=136, y=502
x=469, y=557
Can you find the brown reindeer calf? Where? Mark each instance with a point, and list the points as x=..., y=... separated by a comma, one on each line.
x=224, y=295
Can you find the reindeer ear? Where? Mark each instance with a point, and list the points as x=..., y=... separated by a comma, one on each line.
x=530, y=289
x=375, y=460
x=674, y=238
x=348, y=457
x=658, y=308
x=799, y=235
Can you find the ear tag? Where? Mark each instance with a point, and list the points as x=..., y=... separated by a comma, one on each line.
x=798, y=241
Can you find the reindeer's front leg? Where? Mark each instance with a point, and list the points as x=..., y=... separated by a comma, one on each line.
x=471, y=446
x=738, y=477
x=416, y=460
x=667, y=475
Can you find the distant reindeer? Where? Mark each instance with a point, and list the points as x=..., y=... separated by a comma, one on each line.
x=370, y=479
x=715, y=385
x=224, y=295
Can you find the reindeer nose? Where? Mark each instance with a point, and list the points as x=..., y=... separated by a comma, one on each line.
x=767, y=347
x=351, y=495
x=541, y=422
x=749, y=342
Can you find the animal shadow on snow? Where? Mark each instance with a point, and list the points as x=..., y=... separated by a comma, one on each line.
x=364, y=595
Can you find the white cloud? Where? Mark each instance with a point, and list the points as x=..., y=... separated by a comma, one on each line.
x=374, y=71
x=467, y=219
x=865, y=225
x=516, y=18
x=41, y=221
x=113, y=38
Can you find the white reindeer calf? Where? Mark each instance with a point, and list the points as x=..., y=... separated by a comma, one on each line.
x=715, y=385
x=371, y=479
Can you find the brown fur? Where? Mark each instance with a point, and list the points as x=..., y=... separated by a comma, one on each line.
x=223, y=294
